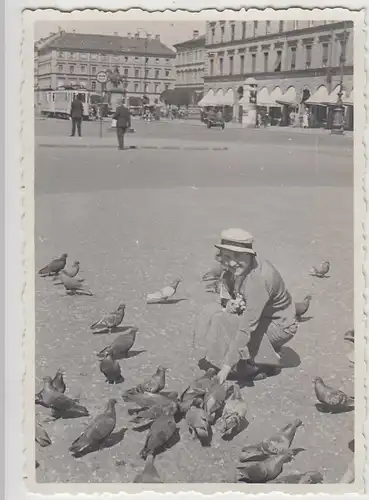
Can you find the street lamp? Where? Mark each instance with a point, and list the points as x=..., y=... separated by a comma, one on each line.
x=338, y=118
x=251, y=85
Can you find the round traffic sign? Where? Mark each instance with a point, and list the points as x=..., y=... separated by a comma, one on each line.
x=102, y=77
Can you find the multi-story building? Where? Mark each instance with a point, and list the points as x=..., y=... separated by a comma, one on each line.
x=190, y=62
x=291, y=61
x=145, y=63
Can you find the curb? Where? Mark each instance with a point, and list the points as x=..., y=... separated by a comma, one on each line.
x=113, y=146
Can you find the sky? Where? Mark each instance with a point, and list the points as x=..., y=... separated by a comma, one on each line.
x=170, y=33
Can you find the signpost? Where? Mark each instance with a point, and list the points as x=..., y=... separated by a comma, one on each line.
x=102, y=78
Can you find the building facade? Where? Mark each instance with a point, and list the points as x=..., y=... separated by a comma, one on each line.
x=298, y=57
x=145, y=63
x=190, y=63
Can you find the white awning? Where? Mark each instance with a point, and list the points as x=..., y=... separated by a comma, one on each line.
x=264, y=99
x=208, y=99
x=219, y=97
x=347, y=97
x=319, y=98
x=332, y=97
x=276, y=94
x=227, y=99
x=289, y=97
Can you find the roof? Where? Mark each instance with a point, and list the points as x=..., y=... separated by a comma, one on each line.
x=108, y=43
x=199, y=41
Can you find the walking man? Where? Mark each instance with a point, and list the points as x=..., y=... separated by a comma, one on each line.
x=76, y=113
x=123, y=118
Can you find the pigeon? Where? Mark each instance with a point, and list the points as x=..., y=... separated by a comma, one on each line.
x=149, y=474
x=332, y=399
x=55, y=266
x=155, y=384
x=96, y=432
x=164, y=294
x=214, y=399
x=160, y=432
x=146, y=416
x=350, y=336
x=197, y=420
x=51, y=398
x=121, y=345
x=73, y=285
x=41, y=436
x=234, y=413
x=197, y=388
x=214, y=274
x=310, y=477
x=282, y=440
x=110, y=320
x=320, y=271
x=253, y=453
x=58, y=381
x=111, y=369
x=302, y=307
x=74, y=270
x=265, y=470
x=147, y=399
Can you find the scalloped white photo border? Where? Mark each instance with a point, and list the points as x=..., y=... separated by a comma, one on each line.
x=19, y=203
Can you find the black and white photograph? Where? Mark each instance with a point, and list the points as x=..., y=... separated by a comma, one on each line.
x=195, y=251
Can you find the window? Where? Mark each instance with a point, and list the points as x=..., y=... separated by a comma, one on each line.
x=93, y=86
x=71, y=69
x=83, y=68
x=281, y=26
x=212, y=35
x=255, y=28
x=94, y=58
x=167, y=60
x=71, y=55
x=243, y=30
x=293, y=58
x=325, y=49
x=126, y=58
x=278, y=62
x=146, y=88
x=266, y=61
x=60, y=68
x=231, y=65
x=83, y=83
x=166, y=86
x=157, y=60
x=83, y=56
x=221, y=33
x=156, y=73
x=211, y=67
x=232, y=31
x=267, y=27
x=253, y=63
x=220, y=65
x=136, y=87
x=307, y=56
x=156, y=88
x=61, y=54
x=146, y=59
x=342, y=52
x=125, y=71
x=104, y=58
x=93, y=70
x=146, y=73
x=167, y=72
x=136, y=58
x=242, y=64
x=137, y=73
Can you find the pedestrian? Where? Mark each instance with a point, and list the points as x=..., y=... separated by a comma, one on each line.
x=254, y=318
x=76, y=114
x=305, y=119
x=123, y=118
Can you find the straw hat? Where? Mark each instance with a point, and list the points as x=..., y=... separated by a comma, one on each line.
x=236, y=240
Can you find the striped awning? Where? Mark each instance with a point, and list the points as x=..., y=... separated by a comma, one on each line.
x=289, y=98
x=265, y=99
x=208, y=99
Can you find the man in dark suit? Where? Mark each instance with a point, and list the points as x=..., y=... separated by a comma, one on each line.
x=76, y=113
x=123, y=118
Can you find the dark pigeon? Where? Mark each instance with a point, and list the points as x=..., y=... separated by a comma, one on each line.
x=120, y=347
x=111, y=369
x=54, y=267
x=160, y=432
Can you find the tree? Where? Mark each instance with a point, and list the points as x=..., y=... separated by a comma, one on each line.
x=115, y=78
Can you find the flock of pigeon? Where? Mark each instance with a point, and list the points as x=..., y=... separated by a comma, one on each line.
x=204, y=402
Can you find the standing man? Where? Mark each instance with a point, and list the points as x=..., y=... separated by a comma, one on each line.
x=123, y=117
x=257, y=317
x=76, y=113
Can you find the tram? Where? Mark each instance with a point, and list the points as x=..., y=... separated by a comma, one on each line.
x=57, y=103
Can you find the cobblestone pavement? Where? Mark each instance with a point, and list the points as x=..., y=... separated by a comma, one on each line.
x=140, y=218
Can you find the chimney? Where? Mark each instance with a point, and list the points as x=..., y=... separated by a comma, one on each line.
x=195, y=33
x=157, y=37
